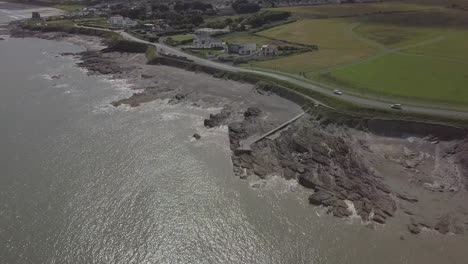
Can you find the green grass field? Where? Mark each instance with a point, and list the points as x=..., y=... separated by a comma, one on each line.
x=454, y=45
x=407, y=76
x=245, y=37
x=409, y=51
x=333, y=36
x=182, y=37
x=311, y=61
x=397, y=36
x=70, y=8
x=344, y=10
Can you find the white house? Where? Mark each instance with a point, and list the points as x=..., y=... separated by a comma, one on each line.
x=268, y=50
x=121, y=22
x=203, y=38
x=206, y=42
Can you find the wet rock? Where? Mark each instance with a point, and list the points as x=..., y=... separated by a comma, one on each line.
x=309, y=180
x=289, y=174
x=179, y=96
x=56, y=76
x=341, y=209
x=386, y=205
x=299, y=146
x=196, y=136
x=260, y=170
x=67, y=54
x=370, y=226
x=407, y=197
x=378, y=219
x=443, y=225
x=414, y=229
x=319, y=197
x=252, y=112
x=257, y=185
x=458, y=229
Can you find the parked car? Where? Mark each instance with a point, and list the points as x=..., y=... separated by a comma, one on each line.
x=396, y=106
x=338, y=92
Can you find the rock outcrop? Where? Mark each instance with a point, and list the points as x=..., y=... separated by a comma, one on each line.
x=321, y=161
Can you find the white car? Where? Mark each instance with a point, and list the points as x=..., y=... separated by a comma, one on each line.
x=396, y=106
x=338, y=92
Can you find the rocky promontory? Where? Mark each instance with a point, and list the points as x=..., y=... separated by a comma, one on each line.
x=356, y=172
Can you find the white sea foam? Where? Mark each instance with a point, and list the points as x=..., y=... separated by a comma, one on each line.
x=63, y=85
x=47, y=77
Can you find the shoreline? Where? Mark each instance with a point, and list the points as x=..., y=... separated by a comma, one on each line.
x=352, y=163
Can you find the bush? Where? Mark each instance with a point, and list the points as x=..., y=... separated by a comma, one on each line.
x=151, y=54
x=266, y=17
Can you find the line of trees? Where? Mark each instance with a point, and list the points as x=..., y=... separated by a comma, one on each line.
x=244, y=7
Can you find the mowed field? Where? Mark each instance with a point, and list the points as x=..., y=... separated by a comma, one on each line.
x=333, y=36
x=414, y=77
x=406, y=51
x=427, y=59
x=345, y=10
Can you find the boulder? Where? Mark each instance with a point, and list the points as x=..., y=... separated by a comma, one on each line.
x=378, y=218
x=179, y=96
x=407, y=197
x=196, y=136
x=414, y=229
x=252, y=112
x=319, y=197
x=260, y=170
x=443, y=225
x=309, y=180
x=341, y=209
x=299, y=146
x=216, y=119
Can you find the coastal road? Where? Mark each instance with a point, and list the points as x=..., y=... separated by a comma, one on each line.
x=345, y=97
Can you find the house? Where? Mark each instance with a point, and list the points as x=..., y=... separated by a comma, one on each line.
x=211, y=31
x=206, y=42
x=241, y=49
x=268, y=50
x=204, y=39
x=121, y=22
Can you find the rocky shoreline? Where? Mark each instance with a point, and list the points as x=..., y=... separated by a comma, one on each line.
x=374, y=169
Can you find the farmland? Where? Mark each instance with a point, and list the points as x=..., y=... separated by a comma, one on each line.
x=348, y=10
x=413, y=77
x=409, y=51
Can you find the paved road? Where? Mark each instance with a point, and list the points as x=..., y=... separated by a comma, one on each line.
x=346, y=97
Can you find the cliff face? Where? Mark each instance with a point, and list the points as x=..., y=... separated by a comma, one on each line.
x=460, y=151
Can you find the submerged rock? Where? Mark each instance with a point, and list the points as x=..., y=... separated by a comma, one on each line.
x=196, y=136
x=252, y=112
x=414, y=228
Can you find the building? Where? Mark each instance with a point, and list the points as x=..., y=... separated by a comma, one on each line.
x=206, y=42
x=121, y=22
x=204, y=39
x=211, y=31
x=268, y=50
x=241, y=49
